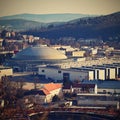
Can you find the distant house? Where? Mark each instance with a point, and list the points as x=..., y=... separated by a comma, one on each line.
x=45, y=94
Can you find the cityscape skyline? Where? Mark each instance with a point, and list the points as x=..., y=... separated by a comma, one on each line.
x=94, y=7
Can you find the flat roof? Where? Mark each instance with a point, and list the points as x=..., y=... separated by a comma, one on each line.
x=2, y=68
x=67, y=69
x=88, y=94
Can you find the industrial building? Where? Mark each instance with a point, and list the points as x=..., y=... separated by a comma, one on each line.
x=117, y=68
x=110, y=72
x=56, y=73
x=96, y=72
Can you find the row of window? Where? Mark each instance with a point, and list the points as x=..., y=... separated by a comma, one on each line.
x=58, y=71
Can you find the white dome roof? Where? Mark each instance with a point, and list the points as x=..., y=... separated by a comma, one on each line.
x=39, y=53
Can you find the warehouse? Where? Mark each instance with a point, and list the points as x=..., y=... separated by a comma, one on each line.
x=117, y=68
x=98, y=74
x=56, y=73
x=110, y=72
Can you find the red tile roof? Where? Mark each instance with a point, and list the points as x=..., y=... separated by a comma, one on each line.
x=52, y=86
x=46, y=92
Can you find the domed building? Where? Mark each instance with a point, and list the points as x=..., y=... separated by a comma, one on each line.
x=29, y=57
x=42, y=53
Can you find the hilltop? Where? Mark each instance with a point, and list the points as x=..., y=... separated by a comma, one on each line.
x=104, y=27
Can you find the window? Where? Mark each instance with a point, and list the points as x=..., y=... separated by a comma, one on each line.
x=59, y=71
x=43, y=70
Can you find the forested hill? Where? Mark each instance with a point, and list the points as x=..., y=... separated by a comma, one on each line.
x=104, y=27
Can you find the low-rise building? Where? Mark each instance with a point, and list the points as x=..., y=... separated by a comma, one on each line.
x=5, y=71
x=80, y=88
x=97, y=73
x=110, y=72
x=84, y=88
x=97, y=100
x=56, y=73
x=75, y=53
x=105, y=86
x=44, y=94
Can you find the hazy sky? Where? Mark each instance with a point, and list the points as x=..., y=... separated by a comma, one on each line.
x=10, y=7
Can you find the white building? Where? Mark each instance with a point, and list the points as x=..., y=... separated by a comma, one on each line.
x=110, y=72
x=117, y=68
x=44, y=94
x=97, y=73
x=64, y=74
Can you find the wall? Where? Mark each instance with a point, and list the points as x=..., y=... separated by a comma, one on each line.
x=78, y=53
x=57, y=74
x=6, y=72
x=108, y=90
x=110, y=73
x=97, y=103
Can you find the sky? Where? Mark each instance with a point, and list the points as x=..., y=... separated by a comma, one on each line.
x=92, y=7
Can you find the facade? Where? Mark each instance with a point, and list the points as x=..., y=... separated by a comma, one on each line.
x=80, y=88
x=110, y=72
x=75, y=53
x=97, y=73
x=106, y=86
x=44, y=94
x=64, y=74
x=112, y=87
x=84, y=88
x=97, y=100
x=5, y=71
x=116, y=66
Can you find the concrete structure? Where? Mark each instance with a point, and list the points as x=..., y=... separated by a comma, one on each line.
x=95, y=72
x=28, y=58
x=5, y=71
x=110, y=72
x=97, y=100
x=112, y=87
x=98, y=74
x=56, y=73
x=105, y=86
x=41, y=52
x=117, y=68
